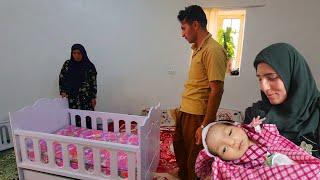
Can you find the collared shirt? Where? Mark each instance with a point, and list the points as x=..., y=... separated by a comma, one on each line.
x=208, y=63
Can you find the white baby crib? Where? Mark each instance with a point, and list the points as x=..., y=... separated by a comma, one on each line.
x=46, y=116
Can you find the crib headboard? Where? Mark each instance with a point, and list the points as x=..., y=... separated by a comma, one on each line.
x=45, y=115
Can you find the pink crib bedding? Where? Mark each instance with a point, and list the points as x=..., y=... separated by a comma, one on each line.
x=70, y=130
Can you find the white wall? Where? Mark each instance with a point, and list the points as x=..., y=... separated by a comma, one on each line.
x=132, y=44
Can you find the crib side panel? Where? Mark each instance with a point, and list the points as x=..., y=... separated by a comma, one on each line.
x=40, y=152
x=45, y=115
x=150, y=143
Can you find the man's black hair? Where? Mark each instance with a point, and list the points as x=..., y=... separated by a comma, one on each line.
x=193, y=13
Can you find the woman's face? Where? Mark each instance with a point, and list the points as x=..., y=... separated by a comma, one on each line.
x=271, y=84
x=77, y=55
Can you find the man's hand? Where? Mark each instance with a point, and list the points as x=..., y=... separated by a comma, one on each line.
x=213, y=101
x=93, y=102
x=198, y=136
x=64, y=95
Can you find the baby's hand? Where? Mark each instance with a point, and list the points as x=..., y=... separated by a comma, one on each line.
x=256, y=123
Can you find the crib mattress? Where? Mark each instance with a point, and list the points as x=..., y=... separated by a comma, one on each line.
x=73, y=131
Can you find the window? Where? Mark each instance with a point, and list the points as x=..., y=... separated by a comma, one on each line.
x=219, y=21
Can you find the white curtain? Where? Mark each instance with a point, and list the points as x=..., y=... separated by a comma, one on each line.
x=212, y=18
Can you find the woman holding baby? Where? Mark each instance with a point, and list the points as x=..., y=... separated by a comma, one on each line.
x=290, y=106
x=290, y=97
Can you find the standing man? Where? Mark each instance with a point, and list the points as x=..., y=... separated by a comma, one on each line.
x=203, y=89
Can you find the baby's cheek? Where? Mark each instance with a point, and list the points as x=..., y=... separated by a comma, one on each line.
x=231, y=155
x=242, y=152
x=210, y=147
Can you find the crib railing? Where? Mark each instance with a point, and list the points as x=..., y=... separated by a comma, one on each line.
x=82, y=117
x=5, y=136
x=66, y=170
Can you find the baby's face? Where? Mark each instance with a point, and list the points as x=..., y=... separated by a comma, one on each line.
x=227, y=141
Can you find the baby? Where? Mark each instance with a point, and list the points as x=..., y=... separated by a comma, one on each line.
x=235, y=151
x=229, y=141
